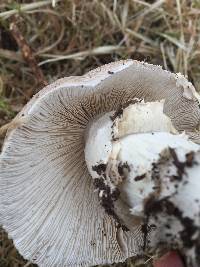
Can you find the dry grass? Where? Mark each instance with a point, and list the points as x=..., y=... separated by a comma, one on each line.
x=69, y=37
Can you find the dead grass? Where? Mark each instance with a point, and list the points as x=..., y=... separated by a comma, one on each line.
x=75, y=36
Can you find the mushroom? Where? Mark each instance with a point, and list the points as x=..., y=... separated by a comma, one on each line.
x=67, y=171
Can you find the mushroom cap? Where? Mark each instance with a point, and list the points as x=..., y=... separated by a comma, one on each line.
x=47, y=200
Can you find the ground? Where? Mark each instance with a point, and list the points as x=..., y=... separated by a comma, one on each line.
x=40, y=42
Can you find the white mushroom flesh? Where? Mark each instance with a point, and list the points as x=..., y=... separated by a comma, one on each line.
x=147, y=164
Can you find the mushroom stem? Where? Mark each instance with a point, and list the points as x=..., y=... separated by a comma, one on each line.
x=146, y=172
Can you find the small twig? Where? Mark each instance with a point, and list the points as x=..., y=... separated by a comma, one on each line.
x=5, y=53
x=151, y=8
x=4, y=128
x=16, y=122
x=27, y=264
x=28, y=54
x=101, y=50
x=25, y=7
x=163, y=55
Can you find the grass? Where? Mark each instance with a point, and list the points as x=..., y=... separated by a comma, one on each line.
x=70, y=37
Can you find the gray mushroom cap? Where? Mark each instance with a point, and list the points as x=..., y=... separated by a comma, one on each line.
x=47, y=200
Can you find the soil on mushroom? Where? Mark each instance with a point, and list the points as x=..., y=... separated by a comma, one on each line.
x=164, y=34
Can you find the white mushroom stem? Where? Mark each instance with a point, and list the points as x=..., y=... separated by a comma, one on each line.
x=151, y=174
x=138, y=117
